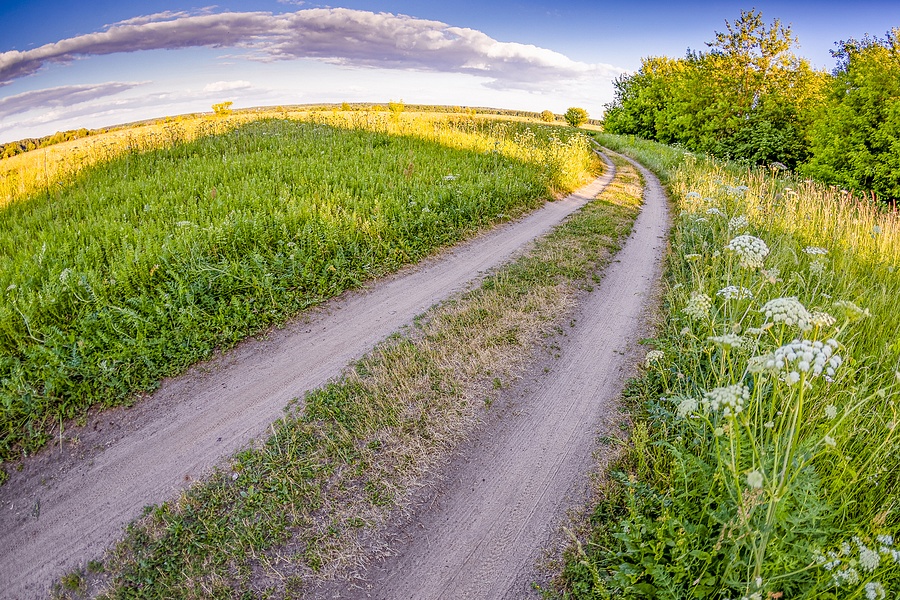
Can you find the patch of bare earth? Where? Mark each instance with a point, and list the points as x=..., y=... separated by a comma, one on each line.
x=70, y=502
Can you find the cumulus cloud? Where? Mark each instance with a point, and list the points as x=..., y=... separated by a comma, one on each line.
x=339, y=35
x=63, y=96
x=227, y=86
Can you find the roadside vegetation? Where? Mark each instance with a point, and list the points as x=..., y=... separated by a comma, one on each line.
x=750, y=98
x=304, y=504
x=128, y=271
x=763, y=455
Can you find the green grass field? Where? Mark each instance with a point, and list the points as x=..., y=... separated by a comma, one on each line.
x=140, y=266
x=763, y=460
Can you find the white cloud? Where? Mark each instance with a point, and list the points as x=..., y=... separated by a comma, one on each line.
x=60, y=97
x=338, y=35
x=227, y=86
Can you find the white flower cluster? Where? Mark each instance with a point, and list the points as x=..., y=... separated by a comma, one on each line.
x=698, y=306
x=851, y=311
x=729, y=398
x=738, y=223
x=686, y=407
x=714, y=211
x=755, y=479
x=652, y=357
x=814, y=250
x=844, y=565
x=751, y=251
x=734, y=292
x=817, y=268
x=788, y=311
x=803, y=357
x=729, y=341
x=821, y=319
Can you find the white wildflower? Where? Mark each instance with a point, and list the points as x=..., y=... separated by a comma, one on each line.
x=829, y=441
x=868, y=558
x=751, y=251
x=771, y=274
x=803, y=357
x=874, y=591
x=652, y=357
x=692, y=195
x=769, y=424
x=885, y=539
x=755, y=479
x=821, y=319
x=64, y=275
x=729, y=341
x=849, y=576
x=788, y=311
x=729, y=398
x=851, y=311
x=756, y=330
x=817, y=268
x=692, y=257
x=738, y=223
x=698, y=306
x=734, y=292
x=686, y=407
x=183, y=224
x=714, y=211
x=831, y=411
x=815, y=250
x=450, y=177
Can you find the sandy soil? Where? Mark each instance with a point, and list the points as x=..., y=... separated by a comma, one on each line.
x=70, y=502
x=480, y=530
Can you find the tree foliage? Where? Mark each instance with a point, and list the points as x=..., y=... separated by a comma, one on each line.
x=576, y=117
x=855, y=142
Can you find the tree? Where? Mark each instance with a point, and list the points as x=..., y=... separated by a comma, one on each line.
x=222, y=109
x=576, y=117
x=855, y=141
x=548, y=116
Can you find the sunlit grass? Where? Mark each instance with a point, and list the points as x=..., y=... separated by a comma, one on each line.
x=145, y=263
x=768, y=467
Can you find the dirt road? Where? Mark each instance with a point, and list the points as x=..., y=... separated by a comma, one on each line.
x=480, y=533
x=70, y=502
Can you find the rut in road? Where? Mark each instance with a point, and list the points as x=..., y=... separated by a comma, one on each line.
x=56, y=514
x=505, y=495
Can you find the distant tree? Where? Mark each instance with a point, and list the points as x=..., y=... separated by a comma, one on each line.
x=547, y=116
x=345, y=106
x=396, y=107
x=222, y=109
x=855, y=141
x=576, y=117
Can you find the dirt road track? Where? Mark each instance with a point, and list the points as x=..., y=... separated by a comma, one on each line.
x=58, y=512
x=503, y=498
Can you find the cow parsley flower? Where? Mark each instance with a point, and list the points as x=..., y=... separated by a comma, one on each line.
x=714, y=211
x=831, y=411
x=816, y=268
x=874, y=591
x=788, y=311
x=821, y=319
x=750, y=250
x=686, y=407
x=729, y=398
x=698, y=306
x=885, y=539
x=734, y=292
x=738, y=223
x=729, y=341
x=815, y=250
x=868, y=558
x=829, y=441
x=652, y=357
x=803, y=357
x=851, y=311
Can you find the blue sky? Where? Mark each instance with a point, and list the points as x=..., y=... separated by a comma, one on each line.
x=65, y=64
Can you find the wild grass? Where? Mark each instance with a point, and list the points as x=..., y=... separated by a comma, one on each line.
x=764, y=453
x=306, y=503
x=141, y=265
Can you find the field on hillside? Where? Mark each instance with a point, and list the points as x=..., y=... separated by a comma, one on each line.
x=118, y=274
x=764, y=455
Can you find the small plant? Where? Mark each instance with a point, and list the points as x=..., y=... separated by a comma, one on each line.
x=222, y=109
x=547, y=116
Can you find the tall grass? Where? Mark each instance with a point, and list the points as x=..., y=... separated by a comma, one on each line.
x=765, y=460
x=146, y=263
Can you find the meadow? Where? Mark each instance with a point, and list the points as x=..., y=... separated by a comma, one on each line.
x=763, y=453
x=140, y=258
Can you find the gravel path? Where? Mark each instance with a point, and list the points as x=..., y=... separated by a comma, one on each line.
x=505, y=495
x=70, y=502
